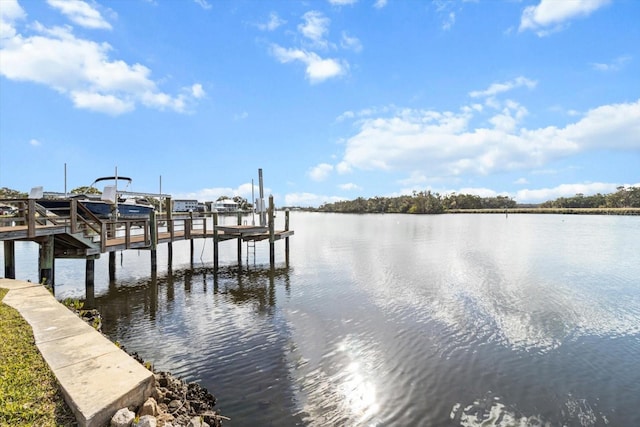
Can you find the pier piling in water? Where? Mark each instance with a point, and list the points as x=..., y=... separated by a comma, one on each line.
x=46, y=262
x=9, y=259
x=74, y=232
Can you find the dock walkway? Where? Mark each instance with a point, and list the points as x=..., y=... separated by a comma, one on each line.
x=95, y=376
x=75, y=232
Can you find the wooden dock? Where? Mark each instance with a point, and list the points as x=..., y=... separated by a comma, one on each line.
x=80, y=234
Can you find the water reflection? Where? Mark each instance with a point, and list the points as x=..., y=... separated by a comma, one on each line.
x=342, y=389
x=253, y=287
x=403, y=320
x=490, y=411
x=215, y=328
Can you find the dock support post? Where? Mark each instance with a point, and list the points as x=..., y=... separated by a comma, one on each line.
x=112, y=265
x=9, y=259
x=240, y=242
x=215, y=242
x=170, y=254
x=89, y=280
x=286, y=239
x=272, y=257
x=153, y=234
x=46, y=261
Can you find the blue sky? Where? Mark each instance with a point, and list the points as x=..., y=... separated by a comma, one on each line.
x=534, y=99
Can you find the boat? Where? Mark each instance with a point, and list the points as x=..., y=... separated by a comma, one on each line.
x=111, y=204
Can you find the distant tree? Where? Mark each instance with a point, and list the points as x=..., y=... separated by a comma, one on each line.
x=7, y=193
x=86, y=190
x=243, y=204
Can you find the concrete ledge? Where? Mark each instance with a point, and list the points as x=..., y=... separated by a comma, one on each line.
x=95, y=376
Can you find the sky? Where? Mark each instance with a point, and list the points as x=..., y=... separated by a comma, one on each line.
x=333, y=99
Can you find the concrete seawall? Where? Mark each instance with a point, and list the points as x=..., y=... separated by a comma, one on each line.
x=95, y=376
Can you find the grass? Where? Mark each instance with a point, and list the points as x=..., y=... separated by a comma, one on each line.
x=29, y=393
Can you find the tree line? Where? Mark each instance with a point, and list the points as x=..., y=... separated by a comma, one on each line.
x=426, y=202
x=422, y=202
x=624, y=197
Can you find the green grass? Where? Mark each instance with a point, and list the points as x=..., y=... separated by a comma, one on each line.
x=29, y=394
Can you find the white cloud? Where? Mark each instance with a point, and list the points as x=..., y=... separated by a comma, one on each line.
x=350, y=43
x=211, y=194
x=273, y=23
x=108, y=104
x=565, y=190
x=197, y=91
x=318, y=69
x=350, y=186
x=550, y=15
x=320, y=172
x=315, y=27
x=615, y=65
x=10, y=13
x=342, y=2
x=416, y=178
x=449, y=21
x=80, y=13
x=521, y=181
x=82, y=70
x=309, y=199
x=379, y=4
x=440, y=144
x=34, y=143
x=241, y=116
x=480, y=191
x=497, y=88
x=343, y=168
x=203, y=4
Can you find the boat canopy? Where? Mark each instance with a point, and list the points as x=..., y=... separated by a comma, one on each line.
x=112, y=178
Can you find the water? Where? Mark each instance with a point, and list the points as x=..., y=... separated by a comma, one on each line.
x=448, y=320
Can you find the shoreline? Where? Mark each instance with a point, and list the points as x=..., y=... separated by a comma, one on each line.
x=173, y=401
x=559, y=211
x=516, y=210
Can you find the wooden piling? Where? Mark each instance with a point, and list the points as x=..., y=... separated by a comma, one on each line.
x=31, y=218
x=286, y=239
x=154, y=260
x=89, y=277
x=153, y=234
x=216, y=240
x=239, y=241
x=112, y=265
x=272, y=238
x=89, y=281
x=9, y=259
x=46, y=261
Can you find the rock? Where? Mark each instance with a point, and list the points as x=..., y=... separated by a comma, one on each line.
x=146, y=421
x=123, y=418
x=161, y=379
x=174, y=405
x=150, y=407
x=165, y=420
x=197, y=422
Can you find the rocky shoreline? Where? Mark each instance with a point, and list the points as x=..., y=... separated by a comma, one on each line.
x=173, y=403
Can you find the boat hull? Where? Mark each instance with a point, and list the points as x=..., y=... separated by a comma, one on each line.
x=100, y=209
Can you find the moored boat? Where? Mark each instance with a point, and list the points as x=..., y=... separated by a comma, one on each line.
x=111, y=204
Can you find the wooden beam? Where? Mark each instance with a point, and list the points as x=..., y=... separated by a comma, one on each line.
x=9, y=259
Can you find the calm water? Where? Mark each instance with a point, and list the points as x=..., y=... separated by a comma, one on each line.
x=400, y=320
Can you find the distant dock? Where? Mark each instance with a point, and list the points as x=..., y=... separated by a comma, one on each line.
x=80, y=234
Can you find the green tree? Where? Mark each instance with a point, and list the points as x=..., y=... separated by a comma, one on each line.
x=86, y=190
